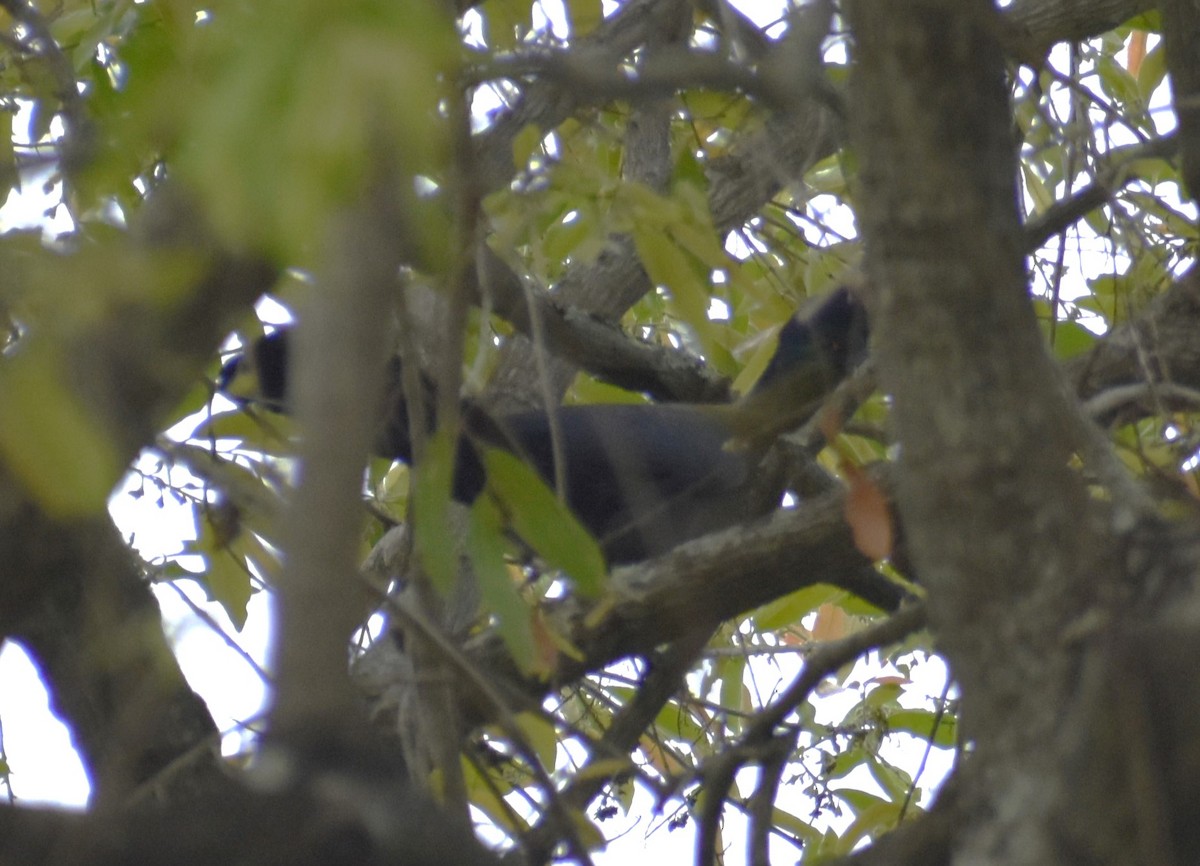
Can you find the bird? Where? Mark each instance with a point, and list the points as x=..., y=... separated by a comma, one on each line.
x=642, y=478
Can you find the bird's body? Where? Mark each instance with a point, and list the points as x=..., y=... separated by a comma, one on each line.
x=641, y=481
x=641, y=477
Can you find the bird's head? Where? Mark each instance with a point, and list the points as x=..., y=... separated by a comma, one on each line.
x=834, y=338
x=259, y=375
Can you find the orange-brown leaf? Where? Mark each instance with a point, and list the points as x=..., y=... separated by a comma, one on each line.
x=1136, y=52
x=870, y=518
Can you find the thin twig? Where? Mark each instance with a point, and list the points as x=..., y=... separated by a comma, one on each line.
x=504, y=718
x=756, y=743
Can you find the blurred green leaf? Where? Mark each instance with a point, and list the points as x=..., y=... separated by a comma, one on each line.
x=49, y=440
x=870, y=821
x=525, y=143
x=507, y=22
x=735, y=697
x=486, y=547
x=487, y=799
x=545, y=523
x=1071, y=339
x=584, y=15
x=227, y=582
x=677, y=722
x=1116, y=81
x=884, y=695
x=839, y=766
x=794, y=825
x=541, y=736
x=434, y=539
x=263, y=431
x=1152, y=71
x=1042, y=196
x=920, y=723
x=892, y=779
x=794, y=606
x=226, y=577
x=288, y=133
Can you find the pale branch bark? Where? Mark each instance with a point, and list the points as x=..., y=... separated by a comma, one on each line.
x=1031, y=27
x=593, y=343
x=339, y=364
x=602, y=77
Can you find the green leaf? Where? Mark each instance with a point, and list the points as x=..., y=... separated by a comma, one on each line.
x=252, y=550
x=879, y=817
x=734, y=695
x=1116, y=81
x=488, y=800
x=859, y=800
x=543, y=522
x=622, y=790
x=541, y=737
x=920, y=723
x=584, y=15
x=260, y=431
x=430, y=496
x=507, y=22
x=1152, y=71
x=826, y=847
x=1071, y=339
x=1042, y=196
x=794, y=825
x=840, y=765
x=668, y=265
x=678, y=723
x=486, y=546
x=892, y=779
x=525, y=143
x=49, y=440
x=227, y=582
x=284, y=136
x=1150, y=21
x=589, y=389
x=884, y=695
x=563, y=240
x=226, y=548
x=794, y=606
